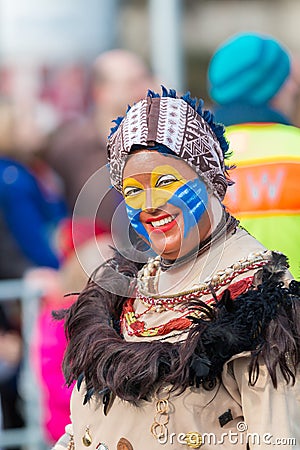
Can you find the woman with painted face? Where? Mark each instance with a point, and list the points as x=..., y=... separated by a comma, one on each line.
x=199, y=346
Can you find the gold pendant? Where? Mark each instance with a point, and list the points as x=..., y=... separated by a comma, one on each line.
x=193, y=439
x=86, y=438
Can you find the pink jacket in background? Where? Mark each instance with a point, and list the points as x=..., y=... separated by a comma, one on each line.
x=48, y=346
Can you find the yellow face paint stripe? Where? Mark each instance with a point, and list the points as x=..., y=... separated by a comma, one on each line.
x=136, y=200
x=159, y=194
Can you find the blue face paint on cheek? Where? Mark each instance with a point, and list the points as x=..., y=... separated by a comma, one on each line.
x=192, y=199
x=134, y=218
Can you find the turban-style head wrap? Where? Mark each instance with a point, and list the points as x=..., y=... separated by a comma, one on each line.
x=179, y=124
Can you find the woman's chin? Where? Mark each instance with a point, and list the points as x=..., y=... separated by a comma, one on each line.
x=174, y=246
x=167, y=248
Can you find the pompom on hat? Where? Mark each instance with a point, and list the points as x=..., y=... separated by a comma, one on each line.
x=248, y=68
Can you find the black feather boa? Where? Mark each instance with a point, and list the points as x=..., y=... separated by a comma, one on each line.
x=264, y=321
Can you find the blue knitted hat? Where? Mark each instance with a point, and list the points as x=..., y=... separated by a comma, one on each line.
x=249, y=68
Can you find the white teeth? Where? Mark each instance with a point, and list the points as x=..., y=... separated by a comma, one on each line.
x=159, y=223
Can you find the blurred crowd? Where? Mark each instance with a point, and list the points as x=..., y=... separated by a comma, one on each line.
x=56, y=205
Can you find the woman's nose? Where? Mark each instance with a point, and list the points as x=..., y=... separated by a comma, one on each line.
x=154, y=199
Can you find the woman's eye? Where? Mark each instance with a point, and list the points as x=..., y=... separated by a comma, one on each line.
x=130, y=191
x=165, y=180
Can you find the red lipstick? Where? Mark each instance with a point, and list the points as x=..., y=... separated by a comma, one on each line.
x=162, y=228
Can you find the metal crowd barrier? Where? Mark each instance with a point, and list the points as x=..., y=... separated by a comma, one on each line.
x=30, y=436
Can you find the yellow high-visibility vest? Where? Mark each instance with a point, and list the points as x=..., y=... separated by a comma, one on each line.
x=266, y=194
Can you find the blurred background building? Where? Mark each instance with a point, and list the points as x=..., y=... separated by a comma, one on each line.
x=45, y=46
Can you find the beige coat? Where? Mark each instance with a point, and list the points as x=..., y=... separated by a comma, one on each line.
x=268, y=418
x=262, y=414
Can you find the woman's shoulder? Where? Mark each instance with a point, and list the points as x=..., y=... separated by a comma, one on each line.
x=241, y=243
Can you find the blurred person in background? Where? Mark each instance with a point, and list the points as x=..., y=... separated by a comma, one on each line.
x=59, y=288
x=31, y=196
x=79, y=147
x=31, y=207
x=255, y=84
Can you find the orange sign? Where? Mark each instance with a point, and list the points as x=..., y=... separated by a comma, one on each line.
x=264, y=188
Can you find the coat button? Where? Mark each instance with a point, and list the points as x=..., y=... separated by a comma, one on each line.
x=124, y=444
x=193, y=439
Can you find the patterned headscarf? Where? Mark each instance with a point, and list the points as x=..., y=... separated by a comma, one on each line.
x=180, y=125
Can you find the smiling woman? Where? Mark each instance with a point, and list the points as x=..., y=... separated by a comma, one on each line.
x=205, y=335
x=164, y=204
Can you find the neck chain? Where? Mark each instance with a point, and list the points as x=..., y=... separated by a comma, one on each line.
x=227, y=224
